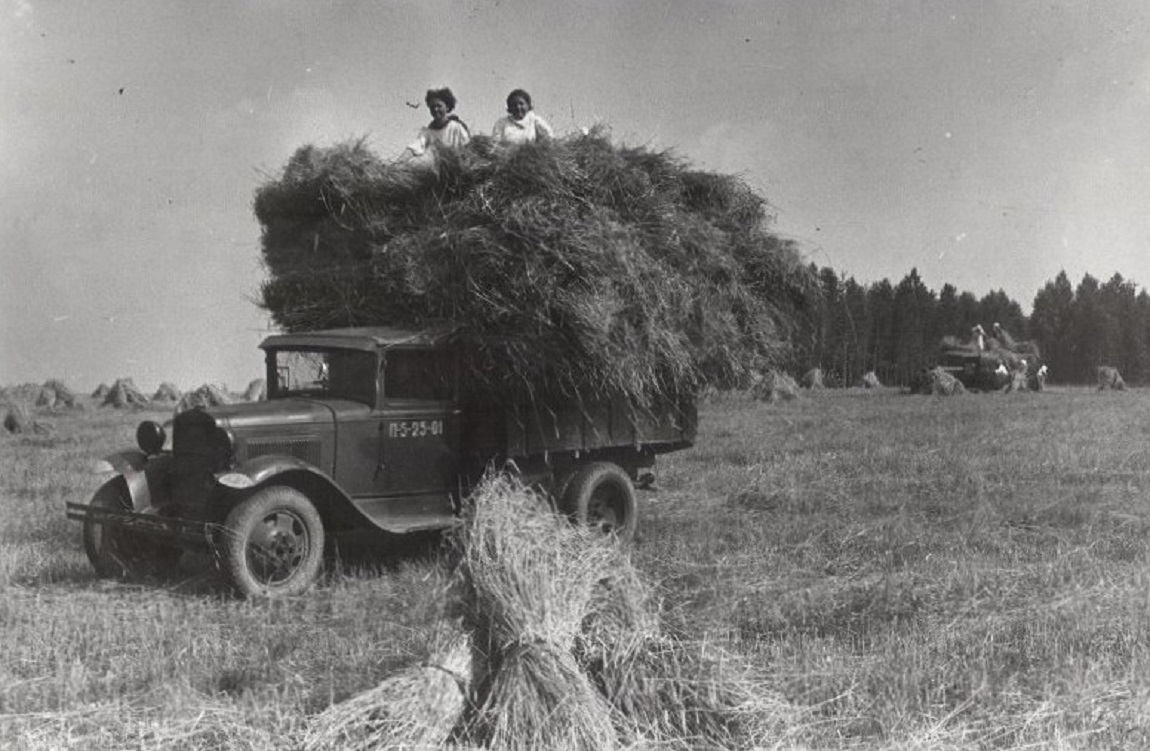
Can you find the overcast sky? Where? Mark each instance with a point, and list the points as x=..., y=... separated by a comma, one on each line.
x=988, y=144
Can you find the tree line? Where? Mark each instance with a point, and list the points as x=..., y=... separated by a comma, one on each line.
x=895, y=330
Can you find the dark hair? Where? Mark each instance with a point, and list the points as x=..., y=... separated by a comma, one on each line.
x=521, y=94
x=444, y=95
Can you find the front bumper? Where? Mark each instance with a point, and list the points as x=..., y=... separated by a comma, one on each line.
x=149, y=524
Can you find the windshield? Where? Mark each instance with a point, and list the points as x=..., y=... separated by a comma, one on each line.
x=334, y=374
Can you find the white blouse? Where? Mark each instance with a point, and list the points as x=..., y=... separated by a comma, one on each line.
x=509, y=130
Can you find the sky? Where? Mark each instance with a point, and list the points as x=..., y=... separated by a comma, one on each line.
x=989, y=145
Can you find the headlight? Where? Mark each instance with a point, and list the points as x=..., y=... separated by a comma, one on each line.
x=150, y=437
x=236, y=480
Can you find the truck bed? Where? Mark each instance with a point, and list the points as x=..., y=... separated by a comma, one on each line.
x=530, y=429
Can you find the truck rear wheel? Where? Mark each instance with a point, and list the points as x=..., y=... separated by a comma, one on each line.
x=273, y=543
x=601, y=496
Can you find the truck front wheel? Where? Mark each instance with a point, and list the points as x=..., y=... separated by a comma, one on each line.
x=601, y=496
x=116, y=552
x=273, y=543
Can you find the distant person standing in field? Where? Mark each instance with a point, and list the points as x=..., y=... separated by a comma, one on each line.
x=445, y=129
x=520, y=124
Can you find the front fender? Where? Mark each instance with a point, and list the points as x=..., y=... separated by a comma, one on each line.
x=334, y=505
x=128, y=460
x=259, y=470
x=139, y=471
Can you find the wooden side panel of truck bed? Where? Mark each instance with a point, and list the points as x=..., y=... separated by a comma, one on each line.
x=535, y=429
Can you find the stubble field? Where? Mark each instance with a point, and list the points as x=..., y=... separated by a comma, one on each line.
x=908, y=572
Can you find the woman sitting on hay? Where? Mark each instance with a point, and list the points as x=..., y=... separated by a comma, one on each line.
x=521, y=124
x=445, y=129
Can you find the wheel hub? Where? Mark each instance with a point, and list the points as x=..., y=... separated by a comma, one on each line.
x=277, y=546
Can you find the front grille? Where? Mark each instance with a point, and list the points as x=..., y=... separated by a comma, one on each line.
x=199, y=449
x=306, y=448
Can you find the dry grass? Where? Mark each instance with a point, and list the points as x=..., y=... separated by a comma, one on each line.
x=418, y=707
x=886, y=572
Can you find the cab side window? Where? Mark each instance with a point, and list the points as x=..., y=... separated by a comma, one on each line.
x=419, y=375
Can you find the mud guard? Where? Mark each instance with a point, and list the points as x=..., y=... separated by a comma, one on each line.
x=131, y=465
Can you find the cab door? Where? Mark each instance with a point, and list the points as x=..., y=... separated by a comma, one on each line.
x=419, y=440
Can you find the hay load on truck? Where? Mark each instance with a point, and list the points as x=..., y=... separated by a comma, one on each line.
x=993, y=363
x=551, y=308
x=363, y=427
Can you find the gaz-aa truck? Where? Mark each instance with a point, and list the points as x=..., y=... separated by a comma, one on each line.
x=362, y=428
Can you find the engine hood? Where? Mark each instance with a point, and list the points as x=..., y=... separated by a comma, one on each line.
x=279, y=413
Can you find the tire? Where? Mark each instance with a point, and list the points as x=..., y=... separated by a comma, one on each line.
x=118, y=553
x=273, y=543
x=601, y=496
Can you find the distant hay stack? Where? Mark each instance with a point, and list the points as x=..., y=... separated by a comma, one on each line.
x=24, y=393
x=1109, y=379
x=937, y=382
x=207, y=395
x=870, y=380
x=813, y=379
x=124, y=394
x=256, y=391
x=101, y=392
x=18, y=421
x=166, y=393
x=774, y=386
x=55, y=395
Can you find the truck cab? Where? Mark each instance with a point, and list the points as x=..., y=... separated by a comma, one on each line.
x=393, y=395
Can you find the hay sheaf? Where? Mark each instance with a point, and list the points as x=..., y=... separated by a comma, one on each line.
x=207, y=395
x=576, y=654
x=774, y=386
x=566, y=652
x=256, y=391
x=18, y=420
x=531, y=579
x=1110, y=379
x=23, y=393
x=55, y=395
x=575, y=266
x=167, y=392
x=870, y=380
x=937, y=382
x=123, y=394
x=813, y=379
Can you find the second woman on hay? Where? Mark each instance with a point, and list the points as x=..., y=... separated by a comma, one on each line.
x=521, y=124
x=445, y=129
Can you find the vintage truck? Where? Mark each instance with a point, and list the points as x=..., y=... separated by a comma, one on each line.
x=362, y=427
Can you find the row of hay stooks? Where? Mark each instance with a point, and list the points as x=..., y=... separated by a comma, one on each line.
x=979, y=363
x=25, y=405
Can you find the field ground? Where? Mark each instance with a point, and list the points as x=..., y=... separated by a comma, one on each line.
x=909, y=572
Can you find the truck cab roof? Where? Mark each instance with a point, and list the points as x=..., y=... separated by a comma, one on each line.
x=368, y=338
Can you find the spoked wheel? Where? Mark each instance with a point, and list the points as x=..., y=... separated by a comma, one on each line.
x=116, y=552
x=602, y=497
x=273, y=545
